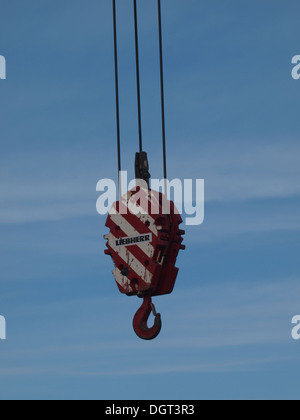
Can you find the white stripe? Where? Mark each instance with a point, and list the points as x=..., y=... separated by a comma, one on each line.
x=130, y=260
x=122, y=280
x=143, y=217
x=126, y=227
x=152, y=226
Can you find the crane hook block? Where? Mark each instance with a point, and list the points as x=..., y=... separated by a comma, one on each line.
x=144, y=242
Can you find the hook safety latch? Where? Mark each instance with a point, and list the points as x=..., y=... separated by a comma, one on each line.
x=141, y=318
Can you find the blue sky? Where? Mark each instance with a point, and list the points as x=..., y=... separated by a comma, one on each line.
x=232, y=111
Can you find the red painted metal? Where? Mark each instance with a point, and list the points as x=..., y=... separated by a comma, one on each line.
x=140, y=320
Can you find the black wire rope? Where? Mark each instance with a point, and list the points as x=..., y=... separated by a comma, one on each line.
x=138, y=75
x=117, y=90
x=162, y=91
x=138, y=85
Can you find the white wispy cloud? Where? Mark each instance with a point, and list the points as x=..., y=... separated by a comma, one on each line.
x=213, y=317
x=246, y=170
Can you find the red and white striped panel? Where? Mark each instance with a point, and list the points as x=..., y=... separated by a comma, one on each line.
x=138, y=241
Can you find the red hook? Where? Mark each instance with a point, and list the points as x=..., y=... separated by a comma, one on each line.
x=140, y=320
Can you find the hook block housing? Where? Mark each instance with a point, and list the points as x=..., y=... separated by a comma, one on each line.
x=144, y=242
